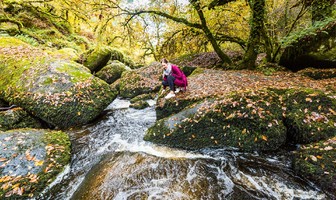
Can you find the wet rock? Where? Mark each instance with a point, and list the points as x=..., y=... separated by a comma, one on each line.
x=60, y=92
x=310, y=115
x=112, y=71
x=30, y=160
x=142, y=176
x=316, y=162
x=17, y=118
x=250, y=121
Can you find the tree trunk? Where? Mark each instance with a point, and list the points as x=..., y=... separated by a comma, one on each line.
x=257, y=29
x=209, y=35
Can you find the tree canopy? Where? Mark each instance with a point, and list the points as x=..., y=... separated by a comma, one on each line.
x=150, y=30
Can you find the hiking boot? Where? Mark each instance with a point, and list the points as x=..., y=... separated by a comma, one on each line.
x=170, y=95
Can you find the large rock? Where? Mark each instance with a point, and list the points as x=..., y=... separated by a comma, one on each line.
x=17, y=118
x=112, y=71
x=310, y=115
x=140, y=81
x=317, y=162
x=260, y=120
x=95, y=59
x=30, y=160
x=60, y=92
x=248, y=121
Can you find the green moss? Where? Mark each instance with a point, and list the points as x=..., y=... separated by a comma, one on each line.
x=143, y=97
x=250, y=122
x=17, y=118
x=76, y=71
x=197, y=71
x=310, y=116
x=111, y=72
x=11, y=41
x=316, y=162
x=51, y=88
x=139, y=104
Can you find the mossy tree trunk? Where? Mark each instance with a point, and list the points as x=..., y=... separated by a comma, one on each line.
x=208, y=34
x=257, y=32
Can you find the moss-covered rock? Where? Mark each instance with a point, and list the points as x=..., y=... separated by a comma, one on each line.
x=249, y=121
x=112, y=71
x=140, y=81
x=95, y=59
x=310, y=116
x=140, y=104
x=143, y=97
x=17, y=118
x=317, y=162
x=68, y=54
x=31, y=161
x=60, y=92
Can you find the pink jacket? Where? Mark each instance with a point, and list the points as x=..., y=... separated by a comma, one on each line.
x=180, y=77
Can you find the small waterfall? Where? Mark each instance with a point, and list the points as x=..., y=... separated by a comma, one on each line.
x=111, y=161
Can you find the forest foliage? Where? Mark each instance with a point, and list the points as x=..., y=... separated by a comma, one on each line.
x=149, y=30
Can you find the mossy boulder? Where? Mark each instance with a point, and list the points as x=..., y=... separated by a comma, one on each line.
x=143, y=97
x=95, y=59
x=60, y=92
x=68, y=54
x=17, y=118
x=112, y=71
x=310, y=115
x=140, y=104
x=317, y=162
x=250, y=121
x=139, y=81
x=31, y=160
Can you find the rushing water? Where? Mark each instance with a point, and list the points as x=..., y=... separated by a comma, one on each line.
x=110, y=160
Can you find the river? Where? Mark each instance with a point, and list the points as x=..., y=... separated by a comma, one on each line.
x=110, y=160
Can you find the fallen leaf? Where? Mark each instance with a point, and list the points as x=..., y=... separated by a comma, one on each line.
x=309, y=99
x=313, y=158
x=264, y=137
x=39, y=163
x=328, y=148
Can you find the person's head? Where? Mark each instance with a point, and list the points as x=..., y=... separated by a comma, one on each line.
x=164, y=63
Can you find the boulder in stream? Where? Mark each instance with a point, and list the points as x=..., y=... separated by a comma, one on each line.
x=30, y=160
x=250, y=121
x=112, y=71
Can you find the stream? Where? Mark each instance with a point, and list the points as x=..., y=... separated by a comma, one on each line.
x=110, y=160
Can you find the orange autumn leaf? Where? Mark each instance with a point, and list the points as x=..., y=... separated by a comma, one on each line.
x=264, y=137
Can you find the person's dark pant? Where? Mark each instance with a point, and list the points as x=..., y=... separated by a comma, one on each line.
x=169, y=82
